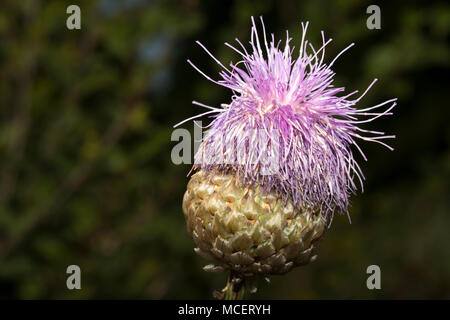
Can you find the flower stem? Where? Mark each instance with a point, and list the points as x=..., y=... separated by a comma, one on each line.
x=235, y=288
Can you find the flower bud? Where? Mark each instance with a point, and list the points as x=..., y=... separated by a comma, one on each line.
x=239, y=228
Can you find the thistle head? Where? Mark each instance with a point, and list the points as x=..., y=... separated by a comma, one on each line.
x=286, y=127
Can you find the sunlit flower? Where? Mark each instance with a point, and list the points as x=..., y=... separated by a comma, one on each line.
x=277, y=160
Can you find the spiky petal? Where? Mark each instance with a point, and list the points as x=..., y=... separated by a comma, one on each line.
x=286, y=128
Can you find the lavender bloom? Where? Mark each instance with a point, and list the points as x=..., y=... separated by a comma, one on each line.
x=288, y=105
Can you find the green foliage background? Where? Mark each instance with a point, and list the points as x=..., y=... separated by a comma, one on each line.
x=85, y=141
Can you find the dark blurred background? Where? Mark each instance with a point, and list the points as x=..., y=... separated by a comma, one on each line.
x=85, y=141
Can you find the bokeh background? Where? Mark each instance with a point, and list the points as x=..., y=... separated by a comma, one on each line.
x=86, y=119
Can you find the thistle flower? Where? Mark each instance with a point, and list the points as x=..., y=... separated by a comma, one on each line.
x=286, y=137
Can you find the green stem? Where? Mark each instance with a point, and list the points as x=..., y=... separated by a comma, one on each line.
x=235, y=288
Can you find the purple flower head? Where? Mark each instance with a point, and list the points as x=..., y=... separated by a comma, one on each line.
x=285, y=127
